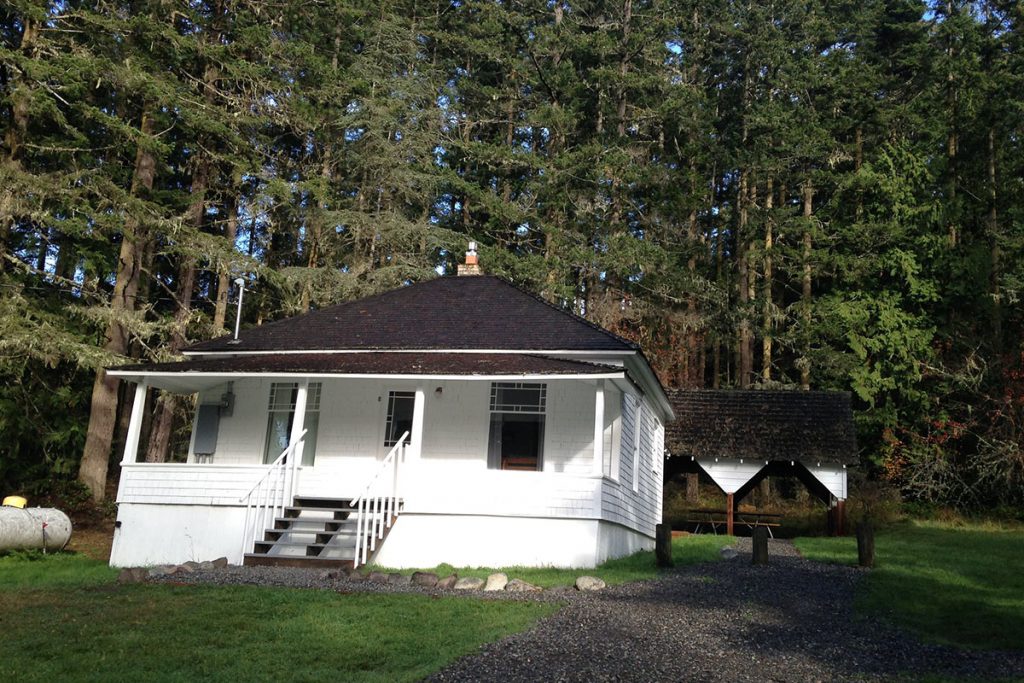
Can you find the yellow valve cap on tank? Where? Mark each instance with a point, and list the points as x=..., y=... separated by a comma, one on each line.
x=15, y=502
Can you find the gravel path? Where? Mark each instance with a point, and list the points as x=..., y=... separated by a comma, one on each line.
x=723, y=621
x=726, y=621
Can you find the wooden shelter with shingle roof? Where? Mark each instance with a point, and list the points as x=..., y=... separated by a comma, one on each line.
x=740, y=437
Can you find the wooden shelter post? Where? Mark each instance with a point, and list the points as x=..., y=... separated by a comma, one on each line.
x=729, y=498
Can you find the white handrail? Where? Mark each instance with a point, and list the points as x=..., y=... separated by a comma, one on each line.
x=377, y=505
x=269, y=494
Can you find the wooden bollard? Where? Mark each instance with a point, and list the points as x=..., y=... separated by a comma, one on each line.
x=663, y=545
x=865, y=544
x=759, y=538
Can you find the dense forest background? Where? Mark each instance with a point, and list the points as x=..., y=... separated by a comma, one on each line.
x=781, y=193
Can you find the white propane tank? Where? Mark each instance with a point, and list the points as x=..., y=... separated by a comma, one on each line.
x=33, y=528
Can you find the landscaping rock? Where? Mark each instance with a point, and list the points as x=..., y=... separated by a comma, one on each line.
x=496, y=582
x=220, y=562
x=469, y=583
x=447, y=582
x=161, y=570
x=206, y=566
x=356, y=577
x=186, y=568
x=133, y=575
x=589, y=583
x=191, y=565
x=425, y=579
x=399, y=579
x=728, y=553
x=378, y=577
x=520, y=586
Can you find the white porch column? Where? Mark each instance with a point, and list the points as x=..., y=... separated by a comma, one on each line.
x=299, y=420
x=599, y=428
x=131, y=442
x=415, y=449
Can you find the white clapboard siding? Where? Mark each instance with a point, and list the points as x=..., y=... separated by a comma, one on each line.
x=503, y=493
x=182, y=484
x=640, y=509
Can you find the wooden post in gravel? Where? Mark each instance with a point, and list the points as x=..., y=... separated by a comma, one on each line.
x=759, y=538
x=663, y=545
x=865, y=544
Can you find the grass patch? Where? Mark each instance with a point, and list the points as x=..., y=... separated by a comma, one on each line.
x=637, y=567
x=956, y=585
x=32, y=570
x=65, y=619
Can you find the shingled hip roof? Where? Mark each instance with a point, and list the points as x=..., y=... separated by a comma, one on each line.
x=374, y=363
x=447, y=313
x=762, y=425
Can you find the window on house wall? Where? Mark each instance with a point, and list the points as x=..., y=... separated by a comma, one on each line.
x=281, y=416
x=638, y=425
x=516, y=440
x=612, y=435
x=399, y=419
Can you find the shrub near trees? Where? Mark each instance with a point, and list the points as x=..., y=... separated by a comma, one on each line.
x=762, y=194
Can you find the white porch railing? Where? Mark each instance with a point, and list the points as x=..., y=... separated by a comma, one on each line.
x=268, y=498
x=377, y=505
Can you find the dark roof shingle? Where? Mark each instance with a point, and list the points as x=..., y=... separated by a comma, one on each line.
x=766, y=425
x=379, y=363
x=480, y=312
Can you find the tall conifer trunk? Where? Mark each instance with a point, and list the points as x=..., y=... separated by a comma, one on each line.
x=766, y=341
x=15, y=137
x=92, y=470
x=805, y=299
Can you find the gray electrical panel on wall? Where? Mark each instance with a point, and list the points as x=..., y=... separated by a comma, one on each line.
x=207, y=426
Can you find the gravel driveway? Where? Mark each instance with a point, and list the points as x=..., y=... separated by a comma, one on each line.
x=721, y=621
x=726, y=621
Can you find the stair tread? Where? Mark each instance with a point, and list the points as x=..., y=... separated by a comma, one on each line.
x=295, y=544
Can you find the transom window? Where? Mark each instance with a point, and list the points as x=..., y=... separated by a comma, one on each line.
x=518, y=397
x=516, y=439
x=281, y=416
x=399, y=420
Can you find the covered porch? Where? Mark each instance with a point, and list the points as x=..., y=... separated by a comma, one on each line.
x=514, y=438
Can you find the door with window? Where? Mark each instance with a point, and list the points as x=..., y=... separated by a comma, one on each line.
x=516, y=440
x=281, y=416
x=399, y=418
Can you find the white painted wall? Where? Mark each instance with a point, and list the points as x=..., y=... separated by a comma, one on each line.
x=640, y=509
x=615, y=540
x=731, y=475
x=171, y=534
x=482, y=541
x=832, y=476
x=439, y=488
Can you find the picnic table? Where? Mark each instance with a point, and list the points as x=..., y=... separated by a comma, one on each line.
x=715, y=516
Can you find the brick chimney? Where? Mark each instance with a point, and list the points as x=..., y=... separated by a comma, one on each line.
x=472, y=264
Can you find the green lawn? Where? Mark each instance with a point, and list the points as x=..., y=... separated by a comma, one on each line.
x=685, y=550
x=64, y=618
x=961, y=586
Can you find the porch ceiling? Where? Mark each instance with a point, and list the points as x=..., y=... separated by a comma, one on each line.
x=194, y=375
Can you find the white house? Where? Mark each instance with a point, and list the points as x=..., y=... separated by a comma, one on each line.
x=458, y=420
